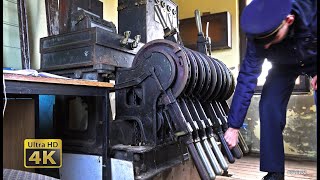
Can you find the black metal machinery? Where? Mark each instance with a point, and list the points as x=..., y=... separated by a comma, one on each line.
x=170, y=100
x=87, y=46
x=170, y=95
x=174, y=94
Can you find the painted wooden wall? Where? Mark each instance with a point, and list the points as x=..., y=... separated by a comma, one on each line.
x=186, y=10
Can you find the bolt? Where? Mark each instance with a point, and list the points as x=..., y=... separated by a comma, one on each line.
x=136, y=157
x=168, y=8
x=137, y=170
x=143, y=167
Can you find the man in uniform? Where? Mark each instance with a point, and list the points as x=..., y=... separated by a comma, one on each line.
x=285, y=33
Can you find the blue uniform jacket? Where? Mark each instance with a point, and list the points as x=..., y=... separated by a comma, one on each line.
x=298, y=48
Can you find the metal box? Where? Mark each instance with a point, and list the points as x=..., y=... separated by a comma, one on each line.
x=139, y=17
x=85, y=54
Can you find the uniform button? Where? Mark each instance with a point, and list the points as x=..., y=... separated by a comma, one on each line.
x=302, y=65
x=306, y=39
x=295, y=48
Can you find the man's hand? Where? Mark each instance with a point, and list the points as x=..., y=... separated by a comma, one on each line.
x=231, y=137
x=314, y=82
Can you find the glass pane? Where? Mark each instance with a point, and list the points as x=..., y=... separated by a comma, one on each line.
x=265, y=69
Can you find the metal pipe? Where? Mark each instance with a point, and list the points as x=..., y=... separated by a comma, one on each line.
x=198, y=21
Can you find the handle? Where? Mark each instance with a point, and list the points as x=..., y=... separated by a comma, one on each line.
x=212, y=158
x=236, y=151
x=198, y=21
x=226, y=148
x=205, y=160
x=243, y=145
x=216, y=150
x=197, y=161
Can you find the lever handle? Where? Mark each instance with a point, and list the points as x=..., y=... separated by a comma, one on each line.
x=243, y=145
x=216, y=150
x=197, y=161
x=236, y=151
x=213, y=160
x=198, y=21
x=225, y=148
x=205, y=160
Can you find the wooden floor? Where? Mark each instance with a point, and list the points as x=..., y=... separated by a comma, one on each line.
x=247, y=168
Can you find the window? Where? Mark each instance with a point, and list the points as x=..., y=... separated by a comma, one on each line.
x=302, y=82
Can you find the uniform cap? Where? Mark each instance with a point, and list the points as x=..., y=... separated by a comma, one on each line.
x=263, y=18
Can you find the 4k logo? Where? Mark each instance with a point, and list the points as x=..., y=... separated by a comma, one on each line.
x=42, y=153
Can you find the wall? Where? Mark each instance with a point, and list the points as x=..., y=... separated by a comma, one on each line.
x=110, y=12
x=37, y=25
x=300, y=132
x=186, y=10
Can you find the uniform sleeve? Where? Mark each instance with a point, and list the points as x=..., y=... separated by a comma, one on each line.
x=250, y=70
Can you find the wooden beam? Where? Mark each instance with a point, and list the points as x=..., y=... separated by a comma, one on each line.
x=14, y=77
x=24, y=36
x=52, y=16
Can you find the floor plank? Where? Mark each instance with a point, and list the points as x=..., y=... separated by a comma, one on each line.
x=248, y=168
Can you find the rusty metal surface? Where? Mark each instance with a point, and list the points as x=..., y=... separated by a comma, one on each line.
x=68, y=7
x=88, y=50
x=81, y=19
x=139, y=17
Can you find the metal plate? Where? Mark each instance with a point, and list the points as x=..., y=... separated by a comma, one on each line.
x=187, y=61
x=232, y=87
x=224, y=81
x=230, y=83
x=194, y=72
x=219, y=81
x=122, y=169
x=157, y=57
x=227, y=81
x=213, y=79
x=73, y=164
x=208, y=76
x=201, y=74
x=179, y=57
